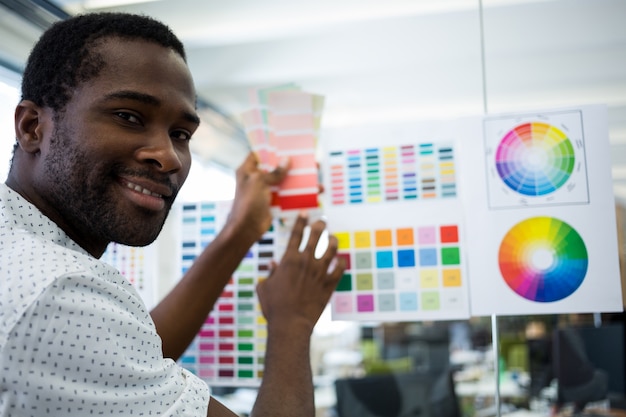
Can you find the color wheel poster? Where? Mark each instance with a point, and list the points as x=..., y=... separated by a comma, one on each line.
x=541, y=215
x=392, y=201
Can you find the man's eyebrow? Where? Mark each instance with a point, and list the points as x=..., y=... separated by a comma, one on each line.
x=146, y=99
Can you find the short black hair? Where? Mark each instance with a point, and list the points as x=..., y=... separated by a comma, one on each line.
x=63, y=57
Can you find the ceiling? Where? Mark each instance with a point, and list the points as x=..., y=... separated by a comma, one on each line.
x=387, y=61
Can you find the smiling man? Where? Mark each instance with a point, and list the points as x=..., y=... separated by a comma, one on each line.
x=103, y=131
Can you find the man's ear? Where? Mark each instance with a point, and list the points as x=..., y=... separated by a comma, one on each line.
x=31, y=122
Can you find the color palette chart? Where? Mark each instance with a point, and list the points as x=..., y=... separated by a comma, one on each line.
x=137, y=264
x=285, y=123
x=404, y=273
x=229, y=350
x=392, y=173
x=536, y=160
x=393, y=203
x=541, y=218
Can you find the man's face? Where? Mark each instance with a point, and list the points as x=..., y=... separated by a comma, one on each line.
x=119, y=153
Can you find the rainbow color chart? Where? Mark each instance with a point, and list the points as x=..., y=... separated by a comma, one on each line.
x=229, y=350
x=392, y=173
x=543, y=259
x=536, y=160
x=401, y=273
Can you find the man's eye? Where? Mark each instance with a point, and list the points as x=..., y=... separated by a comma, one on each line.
x=128, y=117
x=180, y=135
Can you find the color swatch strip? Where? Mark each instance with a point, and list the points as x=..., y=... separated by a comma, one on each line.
x=395, y=273
x=229, y=350
x=392, y=173
x=285, y=123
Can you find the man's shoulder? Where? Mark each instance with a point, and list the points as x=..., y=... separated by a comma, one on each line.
x=29, y=265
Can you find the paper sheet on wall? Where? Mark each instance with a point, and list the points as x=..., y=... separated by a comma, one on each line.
x=391, y=199
x=541, y=215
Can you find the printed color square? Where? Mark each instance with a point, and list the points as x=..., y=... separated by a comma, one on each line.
x=406, y=258
x=449, y=234
x=345, y=283
x=405, y=237
x=451, y=277
x=363, y=260
x=450, y=256
x=362, y=240
x=364, y=282
x=428, y=257
x=383, y=238
x=429, y=278
x=426, y=235
x=346, y=258
x=343, y=303
x=386, y=302
x=384, y=259
x=385, y=281
x=343, y=240
x=408, y=301
x=365, y=303
x=430, y=301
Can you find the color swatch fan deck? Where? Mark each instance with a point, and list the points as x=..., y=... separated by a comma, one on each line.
x=284, y=122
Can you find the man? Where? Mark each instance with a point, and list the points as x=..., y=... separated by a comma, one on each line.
x=103, y=130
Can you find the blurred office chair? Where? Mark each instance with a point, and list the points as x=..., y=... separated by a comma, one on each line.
x=579, y=381
x=414, y=394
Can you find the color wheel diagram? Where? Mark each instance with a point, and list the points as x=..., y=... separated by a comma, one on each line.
x=536, y=160
x=543, y=259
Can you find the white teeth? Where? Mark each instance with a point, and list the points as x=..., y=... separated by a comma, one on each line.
x=142, y=190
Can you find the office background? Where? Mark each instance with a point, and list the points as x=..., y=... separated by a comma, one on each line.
x=382, y=63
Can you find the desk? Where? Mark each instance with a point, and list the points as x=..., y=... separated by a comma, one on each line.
x=486, y=386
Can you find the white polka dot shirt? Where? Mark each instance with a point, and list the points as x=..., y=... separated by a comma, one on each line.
x=75, y=337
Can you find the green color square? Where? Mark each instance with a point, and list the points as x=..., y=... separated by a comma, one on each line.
x=450, y=256
x=345, y=283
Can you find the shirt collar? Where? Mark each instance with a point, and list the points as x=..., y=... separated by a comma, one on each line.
x=17, y=212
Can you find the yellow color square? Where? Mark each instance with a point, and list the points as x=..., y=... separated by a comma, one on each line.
x=451, y=277
x=362, y=239
x=343, y=240
x=429, y=278
x=261, y=320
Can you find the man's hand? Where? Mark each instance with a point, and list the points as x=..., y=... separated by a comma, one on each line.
x=250, y=214
x=298, y=289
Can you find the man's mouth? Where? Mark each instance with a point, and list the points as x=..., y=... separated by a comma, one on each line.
x=142, y=190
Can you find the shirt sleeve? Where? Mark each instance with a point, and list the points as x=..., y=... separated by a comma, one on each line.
x=88, y=346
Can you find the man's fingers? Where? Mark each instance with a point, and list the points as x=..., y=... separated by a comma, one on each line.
x=249, y=164
x=278, y=174
x=315, y=233
x=297, y=231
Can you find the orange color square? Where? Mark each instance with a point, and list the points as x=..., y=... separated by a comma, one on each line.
x=405, y=236
x=383, y=237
